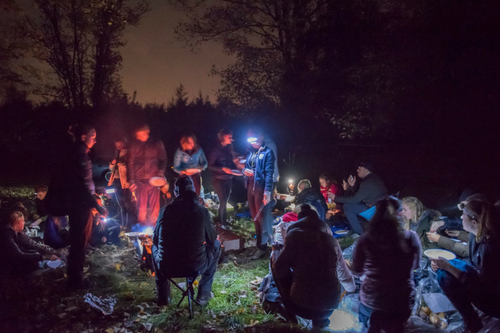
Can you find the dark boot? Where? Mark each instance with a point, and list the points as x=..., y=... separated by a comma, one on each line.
x=163, y=289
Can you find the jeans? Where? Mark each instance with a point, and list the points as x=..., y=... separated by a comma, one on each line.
x=207, y=275
x=125, y=203
x=383, y=321
x=223, y=189
x=351, y=211
x=263, y=225
x=148, y=203
x=80, y=229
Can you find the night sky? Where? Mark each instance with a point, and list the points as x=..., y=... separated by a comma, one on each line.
x=154, y=63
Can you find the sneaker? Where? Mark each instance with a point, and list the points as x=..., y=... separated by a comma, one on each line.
x=354, y=236
x=258, y=254
x=204, y=298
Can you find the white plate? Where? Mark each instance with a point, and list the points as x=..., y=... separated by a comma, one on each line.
x=341, y=232
x=54, y=264
x=133, y=234
x=157, y=181
x=436, y=253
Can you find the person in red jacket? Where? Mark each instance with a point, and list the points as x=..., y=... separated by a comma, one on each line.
x=327, y=185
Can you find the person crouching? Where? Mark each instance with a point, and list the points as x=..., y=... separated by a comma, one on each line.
x=185, y=243
x=310, y=270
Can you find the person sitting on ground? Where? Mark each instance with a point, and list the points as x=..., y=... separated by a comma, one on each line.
x=327, y=185
x=310, y=270
x=22, y=255
x=371, y=190
x=476, y=284
x=56, y=233
x=104, y=229
x=185, y=243
x=419, y=219
x=311, y=196
x=387, y=255
x=452, y=227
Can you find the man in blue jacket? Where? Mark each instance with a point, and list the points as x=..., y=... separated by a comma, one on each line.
x=259, y=172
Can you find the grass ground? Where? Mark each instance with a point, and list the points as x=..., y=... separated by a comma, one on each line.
x=42, y=303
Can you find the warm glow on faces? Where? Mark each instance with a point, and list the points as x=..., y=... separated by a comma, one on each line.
x=41, y=195
x=188, y=144
x=323, y=182
x=142, y=135
x=227, y=139
x=406, y=211
x=90, y=138
x=19, y=224
x=119, y=145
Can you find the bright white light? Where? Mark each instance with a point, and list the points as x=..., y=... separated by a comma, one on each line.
x=110, y=190
x=148, y=231
x=343, y=321
x=290, y=181
x=252, y=139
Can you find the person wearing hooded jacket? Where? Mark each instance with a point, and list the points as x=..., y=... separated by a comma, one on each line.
x=185, y=243
x=310, y=269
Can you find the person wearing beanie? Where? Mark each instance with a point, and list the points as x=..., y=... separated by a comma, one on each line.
x=371, y=190
x=185, y=243
x=310, y=269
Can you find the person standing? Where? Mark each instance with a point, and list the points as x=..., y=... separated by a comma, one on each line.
x=71, y=192
x=120, y=183
x=259, y=172
x=221, y=163
x=387, y=255
x=147, y=159
x=190, y=160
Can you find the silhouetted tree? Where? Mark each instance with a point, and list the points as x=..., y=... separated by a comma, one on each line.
x=80, y=40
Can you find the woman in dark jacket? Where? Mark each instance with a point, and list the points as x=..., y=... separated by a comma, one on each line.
x=221, y=163
x=387, y=255
x=419, y=219
x=477, y=283
x=71, y=193
x=310, y=269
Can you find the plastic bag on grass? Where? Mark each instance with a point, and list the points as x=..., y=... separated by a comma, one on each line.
x=105, y=305
x=349, y=251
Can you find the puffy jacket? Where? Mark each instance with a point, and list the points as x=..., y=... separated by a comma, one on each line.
x=261, y=162
x=146, y=159
x=184, y=161
x=183, y=236
x=310, y=268
x=313, y=197
x=424, y=226
x=371, y=190
x=221, y=157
